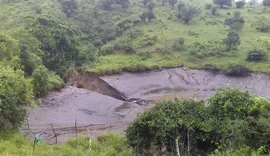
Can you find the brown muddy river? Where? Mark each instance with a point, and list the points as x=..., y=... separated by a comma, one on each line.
x=101, y=107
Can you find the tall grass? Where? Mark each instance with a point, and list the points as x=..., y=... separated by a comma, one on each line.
x=13, y=144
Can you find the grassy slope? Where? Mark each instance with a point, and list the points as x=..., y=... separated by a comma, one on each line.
x=12, y=144
x=170, y=30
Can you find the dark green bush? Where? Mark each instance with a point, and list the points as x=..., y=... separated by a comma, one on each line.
x=179, y=44
x=240, y=4
x=236, y=69
x=262, y=24
x=256, y=55
x=144, y=55
x=107, y=49
x=208, y=6
x=148, y=41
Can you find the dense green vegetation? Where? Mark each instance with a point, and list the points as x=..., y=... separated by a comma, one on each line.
x=41, y=40
x=231, y=121
x=12, y=144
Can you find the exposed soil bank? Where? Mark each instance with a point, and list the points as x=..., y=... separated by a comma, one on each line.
x=183, y=82
x=110, y=103
x=92, y=82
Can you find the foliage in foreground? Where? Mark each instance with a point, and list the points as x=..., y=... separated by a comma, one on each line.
x=13, y=144
x=228, y=121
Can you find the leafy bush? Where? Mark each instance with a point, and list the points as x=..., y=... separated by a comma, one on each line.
x=232, y=40
x=144, y=55
x=45, y=80
x=208, y=6
x=262, y=24
x=125, y=46
x=106, y=49
x=187, y=13
x=179, y=44
x=266, y=2
x=148, y=41
x=235, y=69
x=221, y=3
x=256, y=55
x=240, y=4
x=15, y=94
x=214, y=11
x=235, y=23
x=210, y=49
x=228, y=121
x=211, y=67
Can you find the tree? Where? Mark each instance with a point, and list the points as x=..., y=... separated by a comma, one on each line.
x=164, y=2
x=147, y=15
x=41, y=81
x=172, y=3
x=236, y=23
x=30, y=54
x=232, y=40
x=214, y=11
x=145, y=2
x=59, y=41
x=266, y=2
x=188, y=13
x=240, y=4
x=70, y=8
x=124, y=3
x=181, y=5
x=221, y=3
x=151, y=6
x=167, y=122
x=107, y=4
x=15, y=94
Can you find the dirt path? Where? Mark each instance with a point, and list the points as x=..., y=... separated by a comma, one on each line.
x=106, y=111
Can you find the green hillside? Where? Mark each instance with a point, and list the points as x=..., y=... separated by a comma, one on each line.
x=41, y=40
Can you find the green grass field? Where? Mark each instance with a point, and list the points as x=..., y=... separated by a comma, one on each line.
x=172, y=29
x=13, y=144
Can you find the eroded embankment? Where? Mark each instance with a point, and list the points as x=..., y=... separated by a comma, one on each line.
x=183, y=82
x=93, y=82
x=100, y=103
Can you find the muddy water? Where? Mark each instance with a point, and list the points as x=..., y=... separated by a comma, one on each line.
x=101, y=113
x=184, y=82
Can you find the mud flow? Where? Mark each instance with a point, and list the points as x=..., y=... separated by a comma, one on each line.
x=111, y=103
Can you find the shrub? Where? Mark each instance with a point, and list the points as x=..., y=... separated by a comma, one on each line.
x=262, y=24
x=148, y=41
x=232, y=40
x=214, y=11
x=236, y=69
x=179, y=44
x=256, y=55
x=235, y=23
x=188, y=13
x=210, y=49
x=211, y=67
x=106, y=49
x=240, y=4
x=16, y=92
x=208, y=6
x=144, y=55
x=45, y=80
x=266, y=2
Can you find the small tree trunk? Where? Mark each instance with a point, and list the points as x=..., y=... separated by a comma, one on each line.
x=188, y=139
x=177, y=146
x=163, y=150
